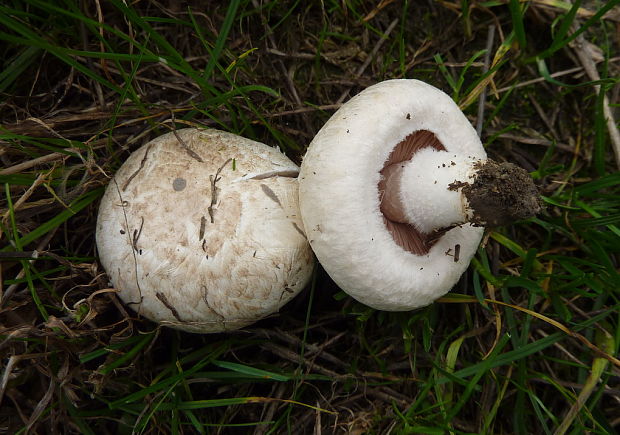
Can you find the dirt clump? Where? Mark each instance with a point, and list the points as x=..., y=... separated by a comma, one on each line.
x=501, y=193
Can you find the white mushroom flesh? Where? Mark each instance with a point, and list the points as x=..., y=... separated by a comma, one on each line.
x=196, y=258
x=433, y=202
x=383, y=263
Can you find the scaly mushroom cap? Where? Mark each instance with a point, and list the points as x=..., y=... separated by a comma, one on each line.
x=196, y=258
x=363, y=245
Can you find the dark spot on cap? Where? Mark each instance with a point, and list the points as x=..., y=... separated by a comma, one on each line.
x=179, y=184
x=408, y=116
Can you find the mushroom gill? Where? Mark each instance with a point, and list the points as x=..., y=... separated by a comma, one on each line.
x=404, y=234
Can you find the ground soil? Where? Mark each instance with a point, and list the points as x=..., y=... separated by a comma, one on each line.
x=501, y=194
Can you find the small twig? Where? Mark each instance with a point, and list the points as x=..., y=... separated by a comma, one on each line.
x=41, y=406
x=34, y=162
x=205, y=297
x=534, y=141
x=136, y=235
x=370, y=58
x=142, y=162
x=583, y=50
x=214, y=180
x=485, y=69
x=286, y=73
x=269, y=409
x=294, y=357
x=311, y=349
x=201, y=235
x=305, y=56
x=32, y=128
x=553, y=75
x=6, y=375
x=548, y=122
x=41, y=178
x=187, y=149
x=98, y=90
x=303, y=110
x=133, y=251
x=386, y=397
x=382, y=4
x=164, y=300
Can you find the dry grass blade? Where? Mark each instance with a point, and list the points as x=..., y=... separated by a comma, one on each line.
x=370, y=58
x=15, y=169
x=40, y=408
x=8, y=368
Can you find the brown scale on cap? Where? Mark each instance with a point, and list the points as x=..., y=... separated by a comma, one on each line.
x=405, y=235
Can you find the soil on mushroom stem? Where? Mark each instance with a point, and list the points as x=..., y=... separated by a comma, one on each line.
x=501, y=193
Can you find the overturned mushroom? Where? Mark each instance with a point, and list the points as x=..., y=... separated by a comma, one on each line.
x=200, y=230
x=395, y=189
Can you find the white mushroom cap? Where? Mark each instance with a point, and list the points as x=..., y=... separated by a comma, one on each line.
x=365, y=253
x=185, y=259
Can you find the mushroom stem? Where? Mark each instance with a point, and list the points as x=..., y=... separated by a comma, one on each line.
x=436, y=190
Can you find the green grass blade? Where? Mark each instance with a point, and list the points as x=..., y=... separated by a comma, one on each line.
x=221, y=37
x=74, y=207
x=558, y=42
x=516, y=12
x=251, y=371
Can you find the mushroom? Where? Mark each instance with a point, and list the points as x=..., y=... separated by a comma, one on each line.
x=200, y=230
x=395, y=190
